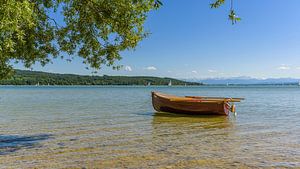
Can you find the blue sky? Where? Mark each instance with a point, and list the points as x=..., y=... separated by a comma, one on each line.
x=190, y=40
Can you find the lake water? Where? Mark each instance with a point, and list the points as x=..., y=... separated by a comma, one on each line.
x=116, y=127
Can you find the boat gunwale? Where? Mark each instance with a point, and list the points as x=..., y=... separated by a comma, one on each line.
x=196, y=99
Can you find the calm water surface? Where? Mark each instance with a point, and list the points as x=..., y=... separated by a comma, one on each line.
x=116, y=127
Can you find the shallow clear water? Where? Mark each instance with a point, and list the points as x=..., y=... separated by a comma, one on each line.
x=116, y=127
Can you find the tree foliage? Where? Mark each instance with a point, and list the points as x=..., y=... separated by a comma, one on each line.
x=95, y=30
x=232, y=15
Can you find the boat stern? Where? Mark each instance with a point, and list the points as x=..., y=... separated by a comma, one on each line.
x=155, y=101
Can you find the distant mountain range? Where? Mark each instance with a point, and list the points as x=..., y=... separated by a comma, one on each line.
x=245, y=80
x=25, y=77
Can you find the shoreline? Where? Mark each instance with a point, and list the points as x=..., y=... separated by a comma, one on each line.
x=121, y=85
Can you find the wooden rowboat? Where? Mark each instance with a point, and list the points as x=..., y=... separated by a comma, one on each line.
x=193, y=104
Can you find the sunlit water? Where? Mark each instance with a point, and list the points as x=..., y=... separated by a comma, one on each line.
x=116, y=127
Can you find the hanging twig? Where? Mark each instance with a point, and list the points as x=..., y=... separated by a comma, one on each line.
x=232, y=16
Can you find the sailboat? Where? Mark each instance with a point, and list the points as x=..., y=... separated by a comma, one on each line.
x=149, y=84
x=170, y=83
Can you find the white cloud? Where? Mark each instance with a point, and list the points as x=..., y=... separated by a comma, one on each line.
x=169, y=71
x=284, y=67
x=298, y=68
x=194, y=71
x=128, y=68
x=151, y=68
x=212, y=71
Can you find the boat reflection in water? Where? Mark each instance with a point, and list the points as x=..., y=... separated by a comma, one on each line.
x=194, y=141
x=190, y=122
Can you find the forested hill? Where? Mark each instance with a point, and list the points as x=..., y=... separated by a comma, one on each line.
x=25, y=77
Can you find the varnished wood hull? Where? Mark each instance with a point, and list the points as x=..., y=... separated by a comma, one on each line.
x=174, y=104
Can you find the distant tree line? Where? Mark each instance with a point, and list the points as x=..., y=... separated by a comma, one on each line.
x=24, y=77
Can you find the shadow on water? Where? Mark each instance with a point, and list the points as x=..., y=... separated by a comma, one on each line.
x=12, y=143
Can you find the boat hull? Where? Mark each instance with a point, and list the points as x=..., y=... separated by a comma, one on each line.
x=182, y=105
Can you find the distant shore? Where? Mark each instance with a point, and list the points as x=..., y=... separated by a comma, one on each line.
x=37, y=78
x=122, y=85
